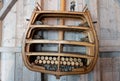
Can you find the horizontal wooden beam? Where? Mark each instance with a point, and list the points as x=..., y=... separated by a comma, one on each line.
x=60, y=42
x=11, y=49
x=6, y=8
x=109, y=49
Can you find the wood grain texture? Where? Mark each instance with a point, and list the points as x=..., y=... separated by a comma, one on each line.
x=0, y=32
x=109, y=11
x=24, y=10
x=8, y=40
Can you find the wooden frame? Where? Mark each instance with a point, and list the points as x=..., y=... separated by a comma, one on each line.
x=92, y=46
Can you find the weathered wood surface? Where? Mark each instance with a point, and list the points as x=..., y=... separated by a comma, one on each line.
x=23, y=11
x=0, y=32
x=6, y=8
x=110, y=66
x=109, y=11
x=8, y=40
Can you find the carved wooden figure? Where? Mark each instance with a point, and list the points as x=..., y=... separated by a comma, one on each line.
x=72, y=6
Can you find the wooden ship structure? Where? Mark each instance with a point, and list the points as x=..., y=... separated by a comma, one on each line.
x=62, y=59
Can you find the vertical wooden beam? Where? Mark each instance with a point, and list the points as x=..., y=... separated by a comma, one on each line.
x=0, y=32
x=1, y=4
x=8, y=40
x=42, y=4
x=61, y=33
x=62, y=7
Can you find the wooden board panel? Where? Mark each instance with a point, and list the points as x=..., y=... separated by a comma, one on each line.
x=0, y=32
x=25, y=8
x=109, y=11
x=8, y=40
x=110, y=66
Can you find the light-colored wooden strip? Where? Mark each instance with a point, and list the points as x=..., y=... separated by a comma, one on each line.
x=65, y=12
x=60, y=42
x=0, y=32
x=10, y=49
x=8, y=71
x=96, y=71
x=19, y=28
x=60, y=54
x=109, y=48
x=59, y=27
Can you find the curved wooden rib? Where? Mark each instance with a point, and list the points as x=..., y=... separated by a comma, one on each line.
x=61, y=54
x=59, y=42
x=92, y=46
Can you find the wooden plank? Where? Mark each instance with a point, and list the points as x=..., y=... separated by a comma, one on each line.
x=96, y=71
x=0, y=32
x=19, y=31
x=109, y=48
x=116, y=69
x=73, y=78
x=109, y=11
x=8, y=41
x=109, y=65
x=10, y=49
x=59, y=27
x=106, y=69
x=6, y=8
x=60, y=42
x=61, y=54
x=27, y=8
x=1, y=4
